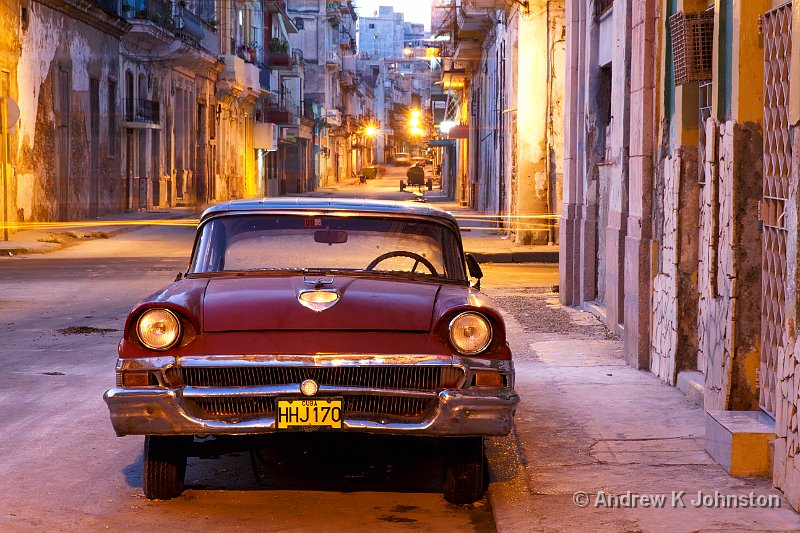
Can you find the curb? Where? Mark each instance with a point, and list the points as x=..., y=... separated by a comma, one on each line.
x=47, y=247
x=509, y=492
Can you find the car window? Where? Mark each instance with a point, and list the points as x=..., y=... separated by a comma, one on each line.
x=386, y=245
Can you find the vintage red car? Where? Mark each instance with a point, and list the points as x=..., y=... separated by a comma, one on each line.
x=308, y=314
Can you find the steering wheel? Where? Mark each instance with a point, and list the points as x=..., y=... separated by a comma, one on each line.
x=402, y=253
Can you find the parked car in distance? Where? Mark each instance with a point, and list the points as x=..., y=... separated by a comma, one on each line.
x=402, y=159
x=309, y=314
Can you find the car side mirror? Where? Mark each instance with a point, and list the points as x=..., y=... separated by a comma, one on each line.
x=474, y=270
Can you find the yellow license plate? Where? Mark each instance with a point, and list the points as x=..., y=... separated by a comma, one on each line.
x=309, y=413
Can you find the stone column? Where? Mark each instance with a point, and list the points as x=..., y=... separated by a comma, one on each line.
x=570, y=264
x=639, y=228
x=617, y=228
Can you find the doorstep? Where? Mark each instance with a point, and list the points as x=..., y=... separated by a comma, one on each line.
x=740, y=441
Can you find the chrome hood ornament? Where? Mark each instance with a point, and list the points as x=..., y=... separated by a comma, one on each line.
x=318, y=300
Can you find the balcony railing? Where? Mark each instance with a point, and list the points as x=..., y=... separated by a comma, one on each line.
x=141, y=110
x=279, y=114
x=156, y=11
x=278, y=60
x=188, y=24
x=109, y=6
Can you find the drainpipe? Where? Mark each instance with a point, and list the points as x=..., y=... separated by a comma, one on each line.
x=551, y=229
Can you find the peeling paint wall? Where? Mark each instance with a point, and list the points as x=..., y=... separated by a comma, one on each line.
x=786, y=465
x=60, y=56
x=729, y=268
x=540, y=144
x=673, y=336
x=664, y=335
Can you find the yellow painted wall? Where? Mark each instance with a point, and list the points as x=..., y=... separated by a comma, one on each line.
x=530, y=196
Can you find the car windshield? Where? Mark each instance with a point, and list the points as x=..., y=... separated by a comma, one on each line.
x=397, y=246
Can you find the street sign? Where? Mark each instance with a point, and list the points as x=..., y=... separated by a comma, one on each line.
x=12, y=113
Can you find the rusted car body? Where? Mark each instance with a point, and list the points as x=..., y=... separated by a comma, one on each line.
x=280, y=325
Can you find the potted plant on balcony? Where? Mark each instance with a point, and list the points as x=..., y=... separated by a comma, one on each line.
x=278, y=46
x=278, y=55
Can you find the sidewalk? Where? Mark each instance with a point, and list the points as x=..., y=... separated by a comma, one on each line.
x=48, y=237
x=589, y=426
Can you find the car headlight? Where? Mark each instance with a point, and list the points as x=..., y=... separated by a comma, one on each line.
x=158, y=329
x=470, y=333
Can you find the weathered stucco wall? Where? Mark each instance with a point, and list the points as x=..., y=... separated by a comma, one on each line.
x=664, y=335
x=729, y=279
x=540, y=112
x=54, y=177
x=674, y=298
x=786, y=471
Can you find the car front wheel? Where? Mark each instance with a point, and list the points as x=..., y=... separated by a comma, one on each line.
x=463, y=482
x=164, y=466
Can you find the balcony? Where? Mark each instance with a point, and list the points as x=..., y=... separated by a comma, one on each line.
x=344, y=41
x=252, y=79
x=141, y=113
x=278, y=114
x=333, y=59
x=152, y=25
x=468, y=51
x=474, y=23
x=278, y=60
x=232, y=79
x=455, y=78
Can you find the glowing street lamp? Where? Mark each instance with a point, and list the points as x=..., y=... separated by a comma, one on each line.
x=371, y=131
x=414, y=121
x=446, y=125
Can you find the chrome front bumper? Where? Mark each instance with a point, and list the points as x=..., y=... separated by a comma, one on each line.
x=458, y=412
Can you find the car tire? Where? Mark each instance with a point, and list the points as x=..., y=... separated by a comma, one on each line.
x=164, y=467
x=464, y=472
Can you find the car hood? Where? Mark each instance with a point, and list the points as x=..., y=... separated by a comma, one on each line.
x=271, y=303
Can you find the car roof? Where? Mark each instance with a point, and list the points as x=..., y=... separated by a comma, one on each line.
x=305, y=204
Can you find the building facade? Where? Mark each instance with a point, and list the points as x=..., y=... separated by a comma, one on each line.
x=143, y=104
x=679, y=214
x=503, y=69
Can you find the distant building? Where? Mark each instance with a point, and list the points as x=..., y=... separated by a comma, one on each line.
x=382, y=36
x=414, y=35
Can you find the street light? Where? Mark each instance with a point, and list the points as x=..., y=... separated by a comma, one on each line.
x=446, y=125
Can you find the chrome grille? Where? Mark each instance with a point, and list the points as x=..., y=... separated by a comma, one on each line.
x=397, y=407
x=406, y=377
